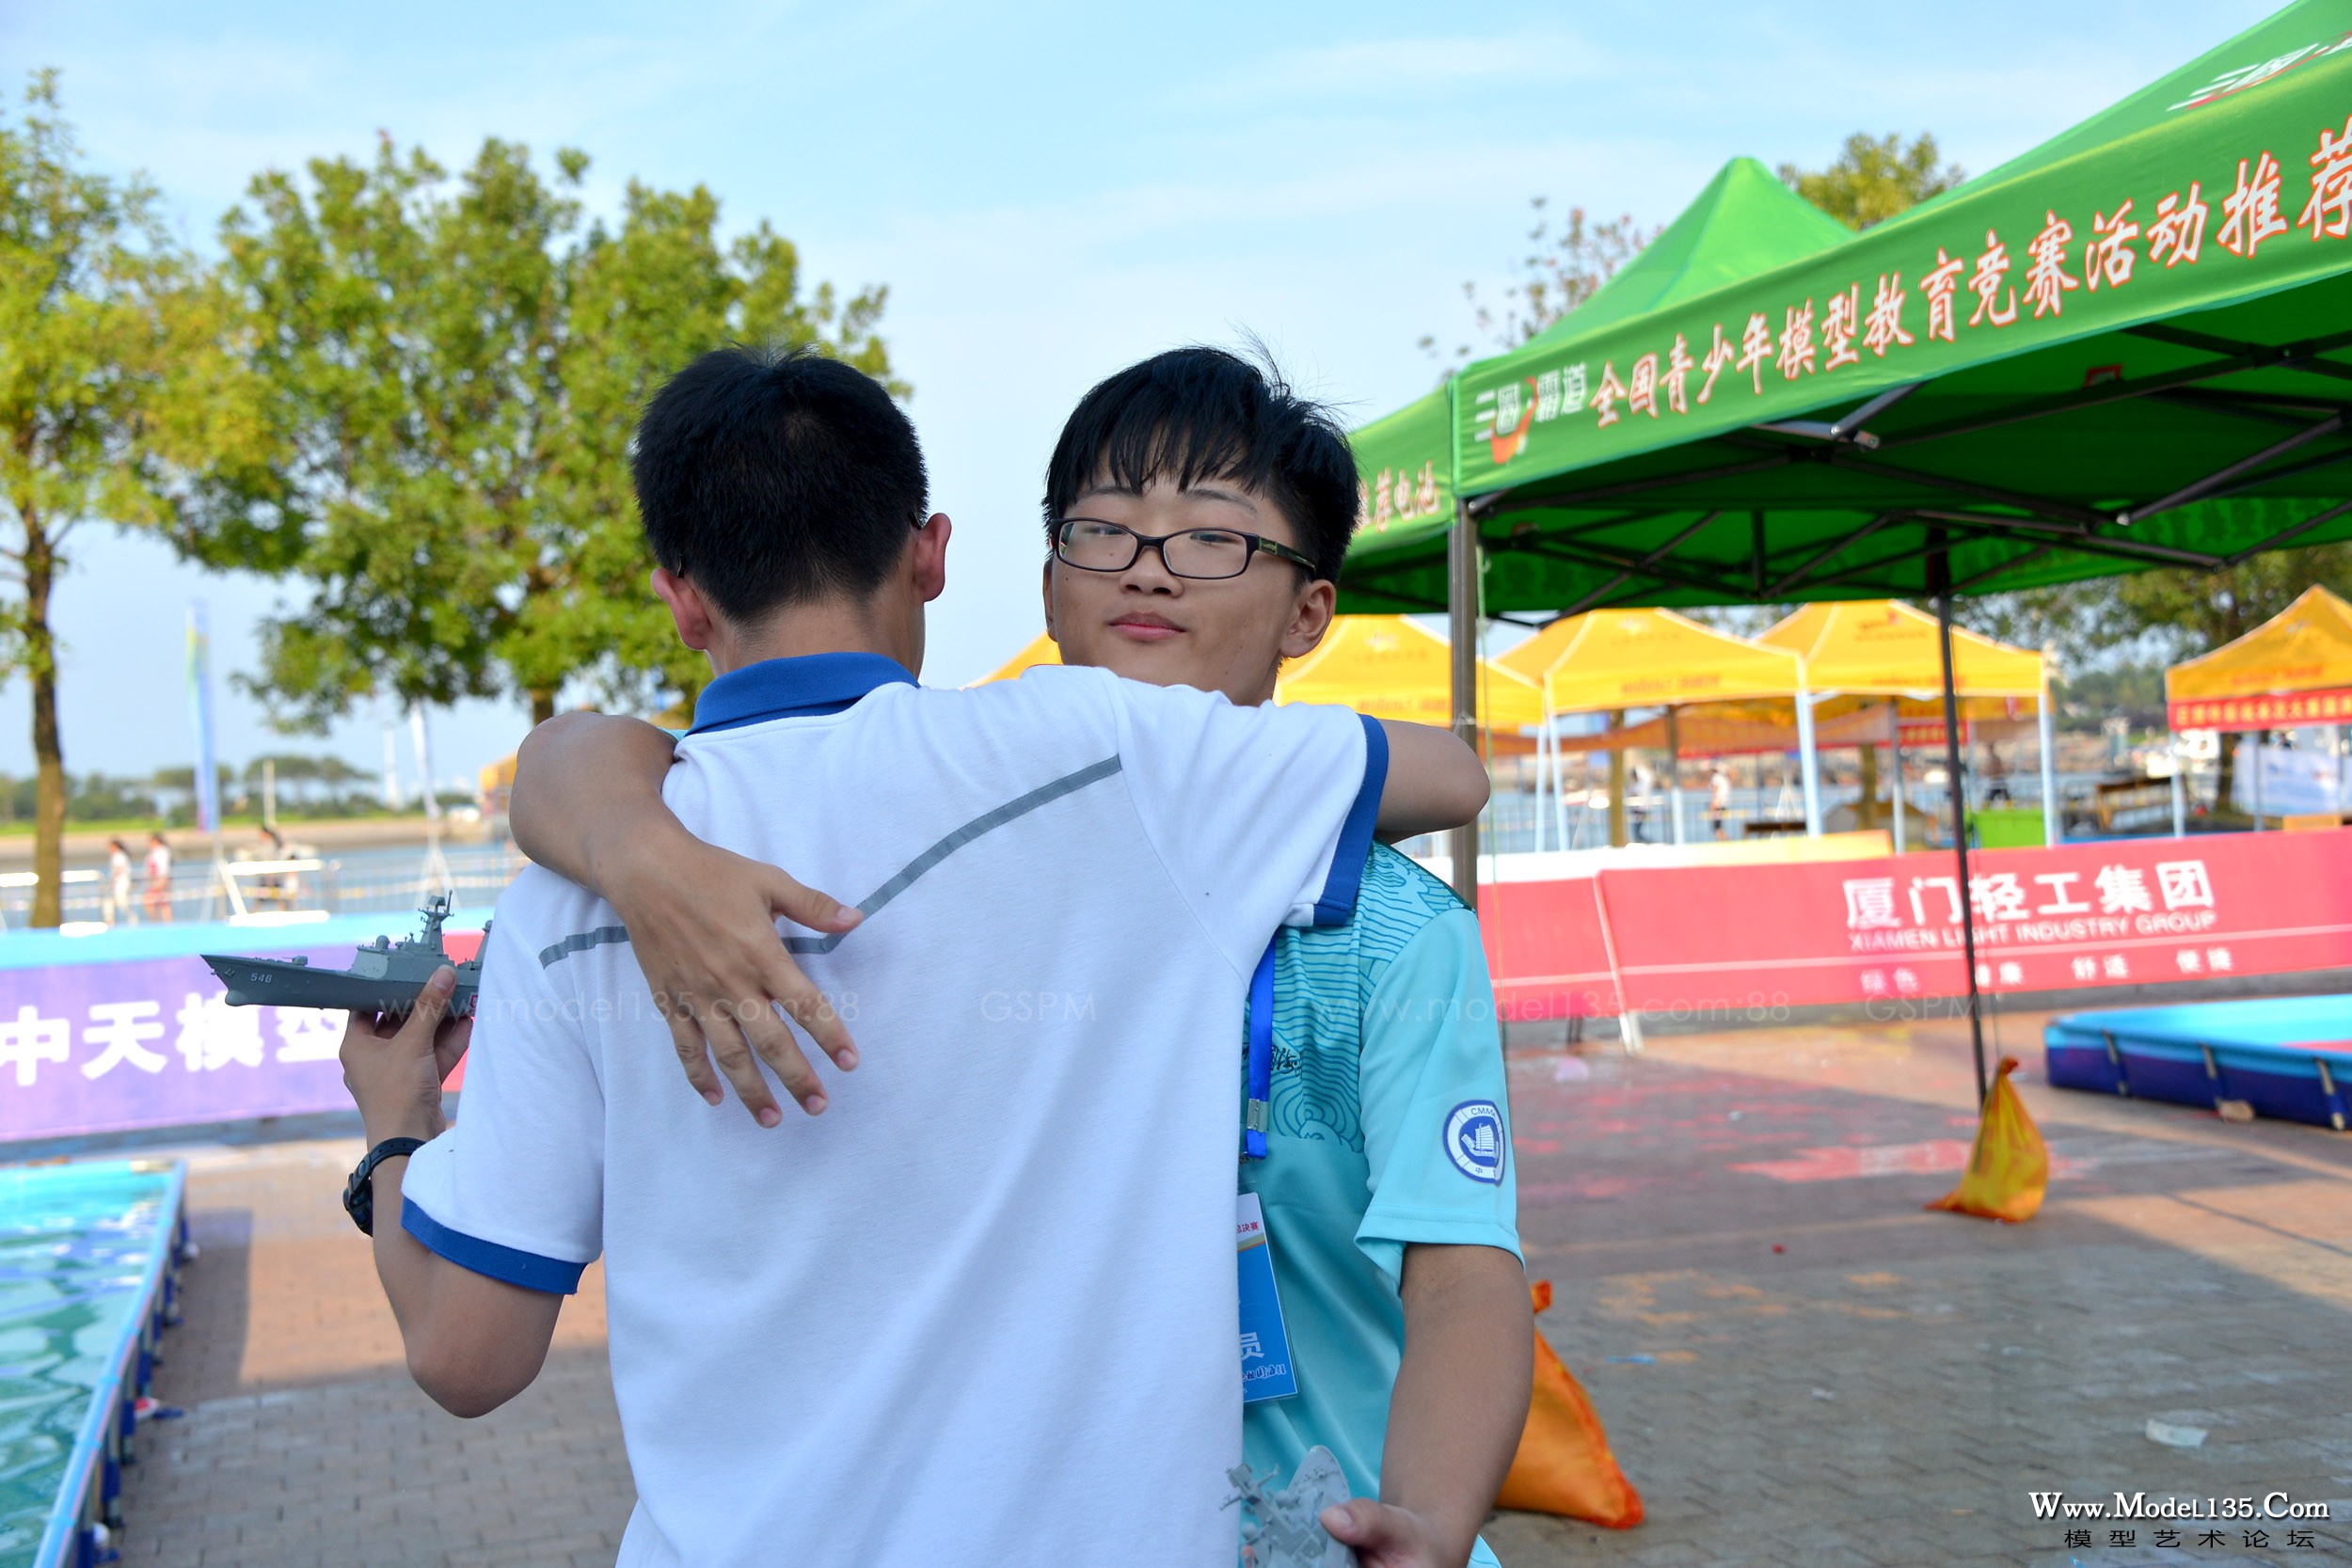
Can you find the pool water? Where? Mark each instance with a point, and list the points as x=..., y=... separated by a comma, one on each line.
x=76, y=1247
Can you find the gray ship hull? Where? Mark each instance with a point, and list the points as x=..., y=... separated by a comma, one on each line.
x=279, y=983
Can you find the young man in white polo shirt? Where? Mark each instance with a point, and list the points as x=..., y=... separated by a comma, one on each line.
x=982, y=1312
x=1382, y=1165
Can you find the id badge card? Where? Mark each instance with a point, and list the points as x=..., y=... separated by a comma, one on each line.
x=1267, y=1373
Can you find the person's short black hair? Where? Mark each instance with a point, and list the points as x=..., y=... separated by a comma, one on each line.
x=771, y=477
x=1196, y=414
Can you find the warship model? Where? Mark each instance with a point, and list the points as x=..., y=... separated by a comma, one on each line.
x=385, y=976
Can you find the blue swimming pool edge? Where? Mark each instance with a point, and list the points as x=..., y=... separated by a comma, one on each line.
x=2287, y=1058
x=68, y=1543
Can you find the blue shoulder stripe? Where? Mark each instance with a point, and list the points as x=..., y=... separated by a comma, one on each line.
x=529, y=1270
x=1337, y=904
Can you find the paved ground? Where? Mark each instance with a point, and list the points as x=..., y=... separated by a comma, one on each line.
x=1796, y=1364
x=304, y=1445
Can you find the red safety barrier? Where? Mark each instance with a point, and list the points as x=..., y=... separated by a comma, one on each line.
x=1751, y=939
x=1547, y=948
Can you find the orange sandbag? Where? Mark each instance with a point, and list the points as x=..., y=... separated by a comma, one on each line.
x=2009, y=1170
x=1564, y=1464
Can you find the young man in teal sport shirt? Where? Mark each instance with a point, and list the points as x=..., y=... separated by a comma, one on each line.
x=1385, y=1178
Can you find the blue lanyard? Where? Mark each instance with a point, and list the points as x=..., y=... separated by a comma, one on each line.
x=1255, y=1119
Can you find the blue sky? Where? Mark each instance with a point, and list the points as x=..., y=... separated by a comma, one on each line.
x=1050, y=190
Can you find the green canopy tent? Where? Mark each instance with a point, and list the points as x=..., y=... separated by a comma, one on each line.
x=1742, y=222
x=2117, y=351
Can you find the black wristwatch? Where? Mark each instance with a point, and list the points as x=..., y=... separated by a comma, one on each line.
x=359, y=1193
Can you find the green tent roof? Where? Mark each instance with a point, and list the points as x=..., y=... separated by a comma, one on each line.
x=2112, y=353
x=1745, y=221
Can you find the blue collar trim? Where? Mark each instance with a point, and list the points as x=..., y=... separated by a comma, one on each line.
x=799, y=687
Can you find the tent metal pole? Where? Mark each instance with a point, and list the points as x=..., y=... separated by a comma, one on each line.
x=1543, y=754
x=2051, y=817
x=1462, y=627
x=1560, y=769
x=1940, y=578
x=2259, y=735
x=2180, y=790
x=1808, y=765
x=1673, y=762
x=1895, y=765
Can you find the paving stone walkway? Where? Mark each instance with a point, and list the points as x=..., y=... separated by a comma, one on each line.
x=1797, y=1365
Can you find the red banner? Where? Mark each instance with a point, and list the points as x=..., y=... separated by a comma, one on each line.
x=2263, y=712
x=1549, y=949
x=1733, y=940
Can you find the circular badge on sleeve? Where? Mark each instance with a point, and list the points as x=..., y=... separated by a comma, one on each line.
x=1473, y=1140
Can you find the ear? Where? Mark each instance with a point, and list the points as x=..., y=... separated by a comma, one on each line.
x=686, y=609
x=1045, y=587
x=1310, y=618
x=929, y=562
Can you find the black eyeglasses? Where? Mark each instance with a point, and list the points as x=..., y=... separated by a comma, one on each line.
x=1092, y=544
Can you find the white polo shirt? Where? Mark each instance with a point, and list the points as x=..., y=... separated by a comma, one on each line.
x=981, y=1310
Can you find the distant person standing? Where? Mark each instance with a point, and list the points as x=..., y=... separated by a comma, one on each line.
x=119, y=909
x=1718, y=797
x=273, y=888
x=158, y=895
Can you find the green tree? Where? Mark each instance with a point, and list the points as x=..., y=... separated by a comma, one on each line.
x=118, y=387
x=454, y=369
x=1873, y=178
x=643, y=298
x=408, y=335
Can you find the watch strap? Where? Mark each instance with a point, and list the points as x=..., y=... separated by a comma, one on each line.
x=359, y=1193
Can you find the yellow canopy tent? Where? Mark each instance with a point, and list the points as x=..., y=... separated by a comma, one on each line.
x=1607, y=660
x=1042, y=649
x=1390, y=668
x=1619, y=659
x=1736, y=729
x=1885, y=648
x=1380, y=665
x=2293, y=669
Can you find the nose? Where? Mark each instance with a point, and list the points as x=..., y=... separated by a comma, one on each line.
x=1149, y=573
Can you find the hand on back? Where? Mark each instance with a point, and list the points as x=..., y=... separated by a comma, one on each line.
x=702, y=922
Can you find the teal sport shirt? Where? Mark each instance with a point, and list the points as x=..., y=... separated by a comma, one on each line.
x=1390, y=1125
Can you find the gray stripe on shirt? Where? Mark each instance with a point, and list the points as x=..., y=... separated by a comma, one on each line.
x=580, y=942
x=987, y=822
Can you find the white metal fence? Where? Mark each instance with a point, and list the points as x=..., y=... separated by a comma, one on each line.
x=392, y=881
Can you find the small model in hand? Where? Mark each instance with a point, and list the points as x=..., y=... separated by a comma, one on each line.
x=1288, y=1531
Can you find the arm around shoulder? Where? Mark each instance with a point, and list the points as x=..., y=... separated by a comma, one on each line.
x=586, y=787
x=1434, y=781
x=587, y=806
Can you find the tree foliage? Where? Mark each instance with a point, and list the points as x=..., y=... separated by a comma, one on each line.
x=646, y=297
x=454, y=367
x=118, y=386
x=1873, y=178
x=2167, y=614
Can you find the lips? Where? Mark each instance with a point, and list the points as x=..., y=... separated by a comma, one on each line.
x=1144, y=628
